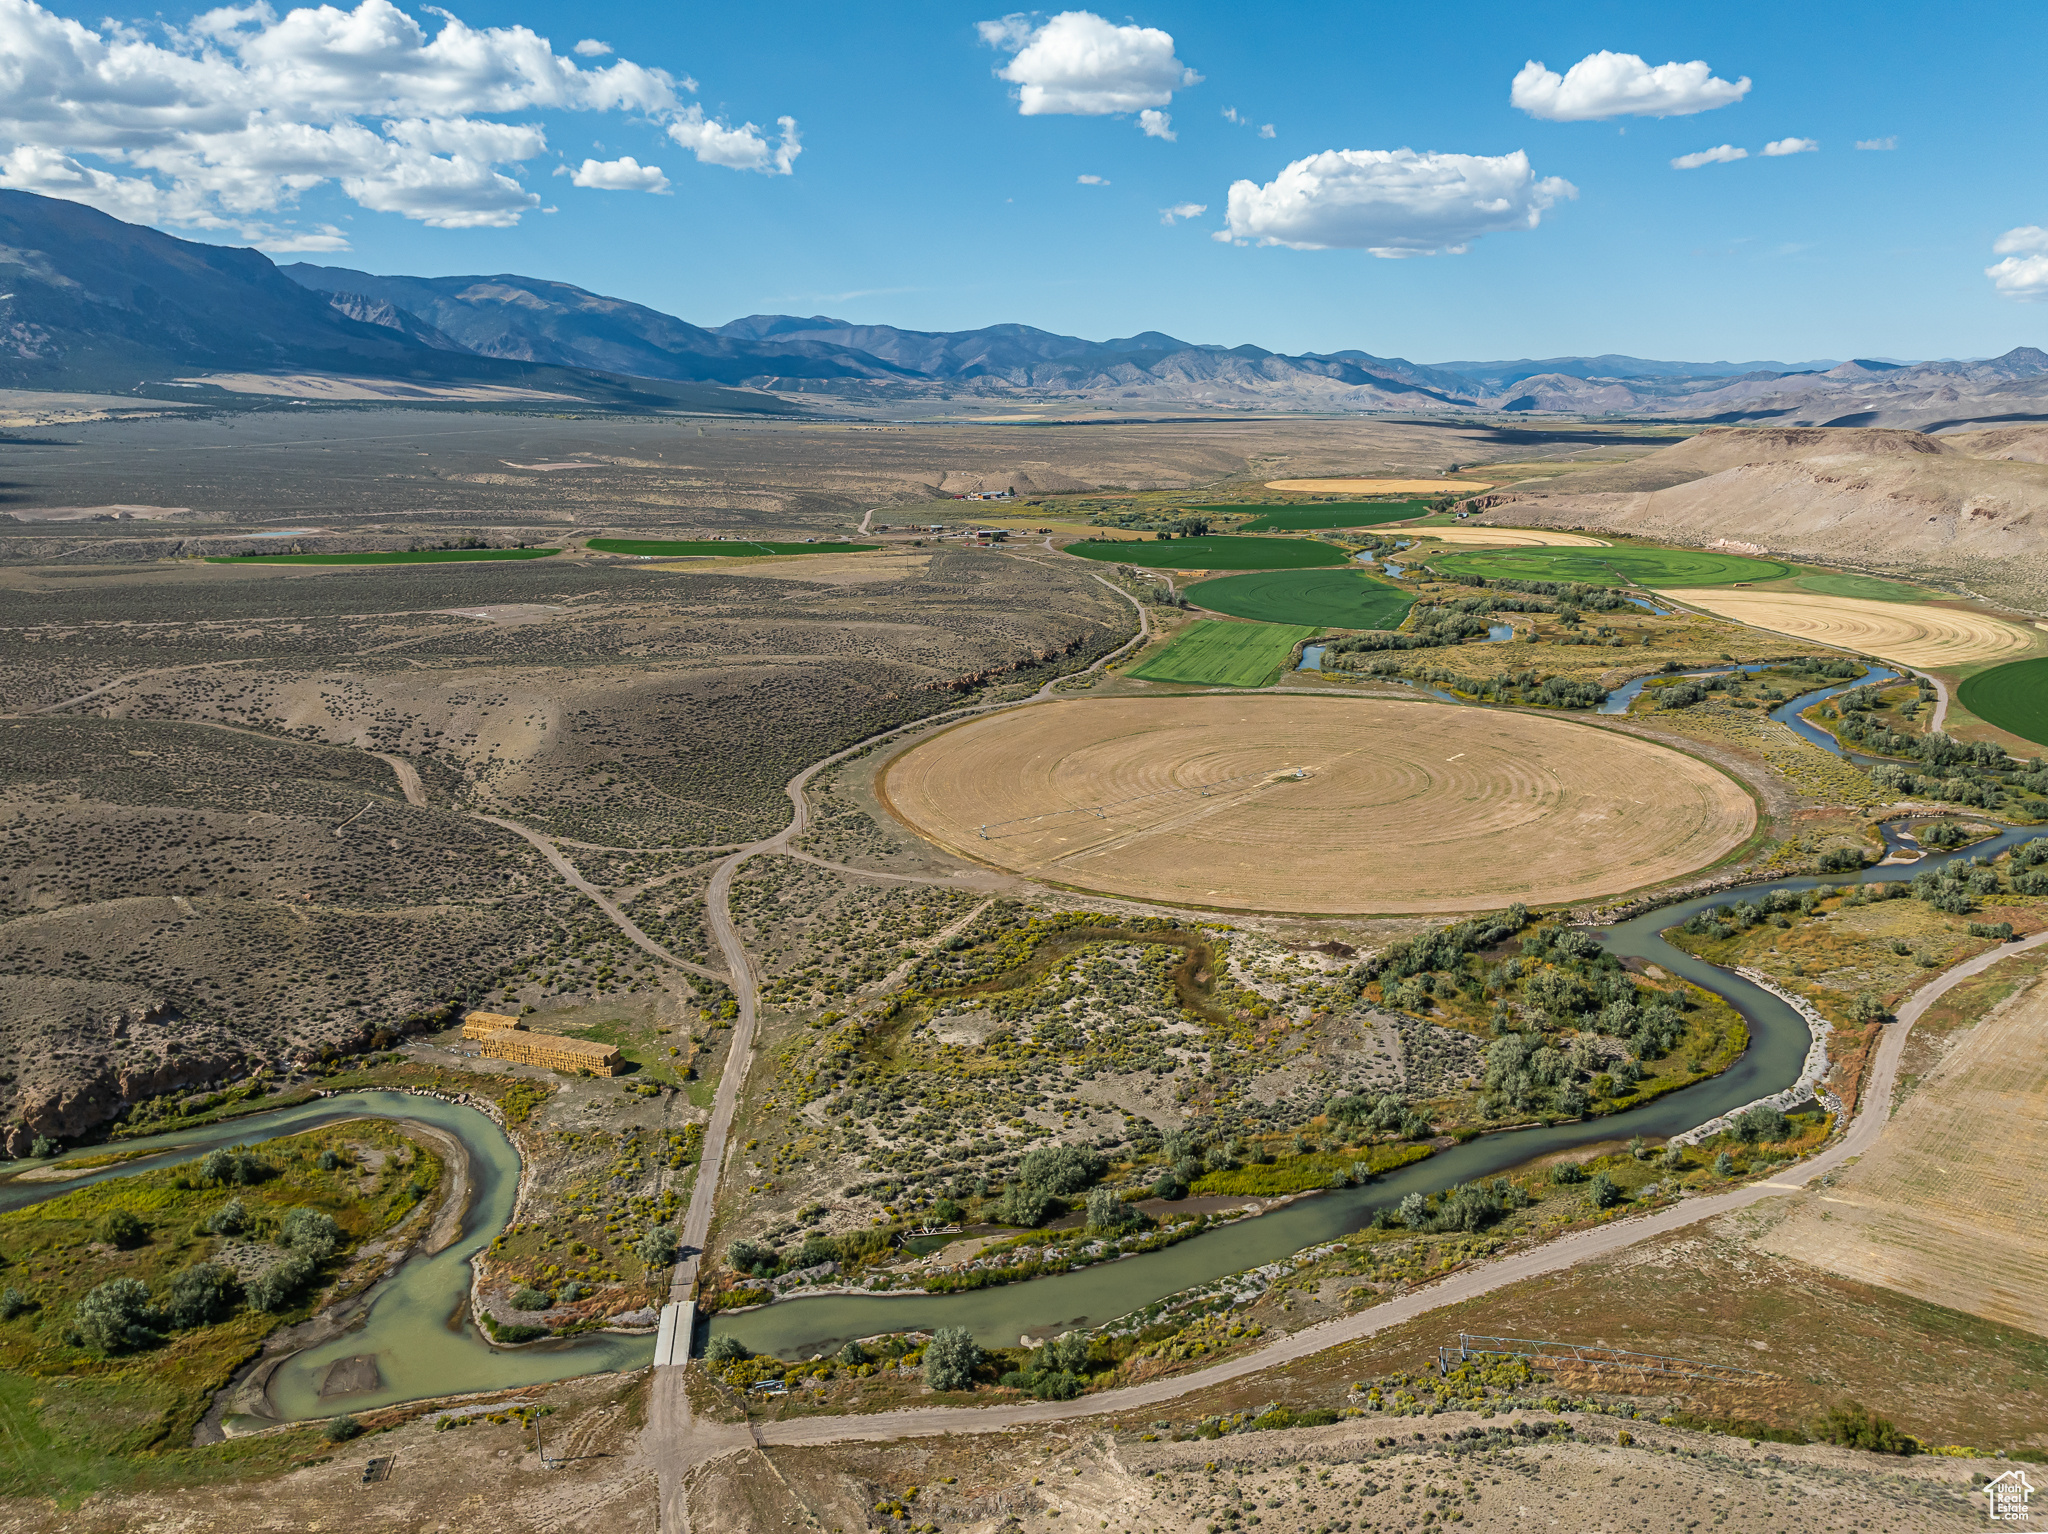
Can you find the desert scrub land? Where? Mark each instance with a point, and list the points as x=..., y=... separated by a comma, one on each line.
x=207, y=854
x=126, y=1304
x=1037, y=1055
x=1302, y=1470
x=820, y=936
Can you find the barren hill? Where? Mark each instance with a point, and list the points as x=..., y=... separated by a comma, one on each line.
x=1970, y=508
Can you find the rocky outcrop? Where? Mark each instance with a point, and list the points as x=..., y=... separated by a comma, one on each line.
x=97, y=1048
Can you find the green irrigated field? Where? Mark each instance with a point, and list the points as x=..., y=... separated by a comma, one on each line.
x=1216, y=552
x=2013, y=698
x=728, y=548
x=1348, y=599
x=1216, y=654
x=1830, y=583
x=1289, y=519
x=1614, y=567
x=383, y=557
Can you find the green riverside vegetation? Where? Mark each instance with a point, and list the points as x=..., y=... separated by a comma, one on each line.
x=125, y=1305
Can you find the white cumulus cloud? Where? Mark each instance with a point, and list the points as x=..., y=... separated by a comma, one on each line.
x=2023, y=274
x=225, y=122
x=1231, y=114
x=1785, y=146
x=1157, y=124
x=1392, y=202
x=1720, y=154
x=1079, y=65
x=1182, y=210
x=624, y=174
x=1092, y=180
x=1890, y=141
x=1605, y=84
x=741, y=148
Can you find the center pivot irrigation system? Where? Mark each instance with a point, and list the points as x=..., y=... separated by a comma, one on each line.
x=1200, y=790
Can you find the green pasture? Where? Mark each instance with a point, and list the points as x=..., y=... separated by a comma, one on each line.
x=1831, y=583
x=1217, y=551
x=1613, y=567
x=729, y=548
x=2012, y=697
x=1345, y=599
x=383, y=557
x=1226, y=654
x=1288, y=519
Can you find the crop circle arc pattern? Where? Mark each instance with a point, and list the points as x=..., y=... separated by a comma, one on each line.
x=1314, y=805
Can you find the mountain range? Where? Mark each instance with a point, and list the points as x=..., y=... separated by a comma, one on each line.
x=95, y=303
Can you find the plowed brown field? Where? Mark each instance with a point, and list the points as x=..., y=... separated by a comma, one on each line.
x=1401, y=807
x=1908, y=632
x=1948, y=1206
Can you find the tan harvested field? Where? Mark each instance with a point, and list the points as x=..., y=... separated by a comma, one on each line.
x=1929, y=637
x=1947, y=1207
x=1511, y=537
x=1375, y=486
x=1405, y=806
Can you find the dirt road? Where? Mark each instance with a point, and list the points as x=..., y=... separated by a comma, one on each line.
x=681, y=1441
x=408, y=777
x=620, y=919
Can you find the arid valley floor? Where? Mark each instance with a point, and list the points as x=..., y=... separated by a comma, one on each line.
x=1045, y=1095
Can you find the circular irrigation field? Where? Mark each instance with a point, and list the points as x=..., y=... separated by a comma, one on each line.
x=1614, y=566
x=2014, y=698
x=1345, y=599
x=1928, y=637
x=1316, y=805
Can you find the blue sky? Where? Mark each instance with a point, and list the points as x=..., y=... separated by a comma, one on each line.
x=910, y=188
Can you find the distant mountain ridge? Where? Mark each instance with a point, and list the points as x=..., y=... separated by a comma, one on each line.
x=529, y=318
x=95, y=303
x=92, y=303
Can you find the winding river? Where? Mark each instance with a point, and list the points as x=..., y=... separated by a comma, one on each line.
x=999, y=1316
x=417, y=1325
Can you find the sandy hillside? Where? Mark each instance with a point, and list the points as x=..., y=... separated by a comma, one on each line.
x=1868, y=498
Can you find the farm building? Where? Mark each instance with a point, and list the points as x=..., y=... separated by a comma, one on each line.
x=506, y=1038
